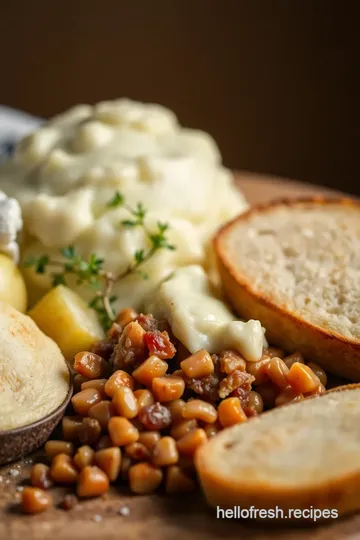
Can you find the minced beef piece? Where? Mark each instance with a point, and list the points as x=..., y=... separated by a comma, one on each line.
x=131, y=349
x=236, y=379
x=115, y=331
x=231, y=360
x=150, y=324
x=104, y=348
x=206, y=387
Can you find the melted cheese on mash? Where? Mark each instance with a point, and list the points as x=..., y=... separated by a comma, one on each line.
x=65, y=173
x=200, y=320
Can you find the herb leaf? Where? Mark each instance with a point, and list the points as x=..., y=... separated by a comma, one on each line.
x=58, y=279
x=129, y=223
x=97, y=304
x=30, y=261
x=40, y=264
x=116, y=200
x=139, y=212
x=139, y=256
x=68, y=252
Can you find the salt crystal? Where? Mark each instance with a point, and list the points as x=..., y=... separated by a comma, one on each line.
x=14, y=472
x=124, y=510
x=97, y=518
x=20, y=488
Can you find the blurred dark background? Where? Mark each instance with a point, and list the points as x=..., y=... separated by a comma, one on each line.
x=274, y=80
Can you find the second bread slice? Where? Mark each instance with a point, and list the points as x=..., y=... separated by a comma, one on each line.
x=298, y=456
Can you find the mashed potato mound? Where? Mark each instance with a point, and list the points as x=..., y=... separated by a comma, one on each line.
x=65, y=173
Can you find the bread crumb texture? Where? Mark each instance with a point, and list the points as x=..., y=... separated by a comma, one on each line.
x=305, y=444
x=306, y=258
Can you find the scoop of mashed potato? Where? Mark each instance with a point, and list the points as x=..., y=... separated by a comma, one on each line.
x=66, y=172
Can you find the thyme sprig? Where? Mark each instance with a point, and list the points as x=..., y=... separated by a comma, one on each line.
x=91, y=271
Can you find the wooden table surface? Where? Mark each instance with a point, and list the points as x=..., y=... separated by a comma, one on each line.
x=155, y=517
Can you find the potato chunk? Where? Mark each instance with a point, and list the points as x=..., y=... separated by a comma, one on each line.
x=12, y=286
x=67, y=319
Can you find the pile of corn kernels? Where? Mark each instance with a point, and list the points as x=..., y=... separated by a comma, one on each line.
x=143, y=404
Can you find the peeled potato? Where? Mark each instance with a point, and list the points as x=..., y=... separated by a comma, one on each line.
x=12, y=285
x=66, y=318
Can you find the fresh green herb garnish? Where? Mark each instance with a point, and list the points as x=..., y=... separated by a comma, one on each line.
x=116, y=200
x=91, y=272
x=138, y=214
x=39, y=263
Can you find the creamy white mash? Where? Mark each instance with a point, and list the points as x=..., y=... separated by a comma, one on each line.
x=65, y=173
x=200, y=320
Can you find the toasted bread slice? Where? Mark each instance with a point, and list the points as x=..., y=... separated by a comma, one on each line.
x=301, y=455
x=295, y=266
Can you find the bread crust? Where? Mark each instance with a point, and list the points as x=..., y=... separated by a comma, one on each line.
x=341, y=494
x=336, y=353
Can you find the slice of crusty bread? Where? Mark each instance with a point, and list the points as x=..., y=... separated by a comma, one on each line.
x=295, y=266
x=301, y=455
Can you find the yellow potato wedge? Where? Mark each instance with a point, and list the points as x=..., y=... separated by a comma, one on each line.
x=65, y=317
x=12, y=285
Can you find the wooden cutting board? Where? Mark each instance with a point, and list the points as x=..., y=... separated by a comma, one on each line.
x=156, y=517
